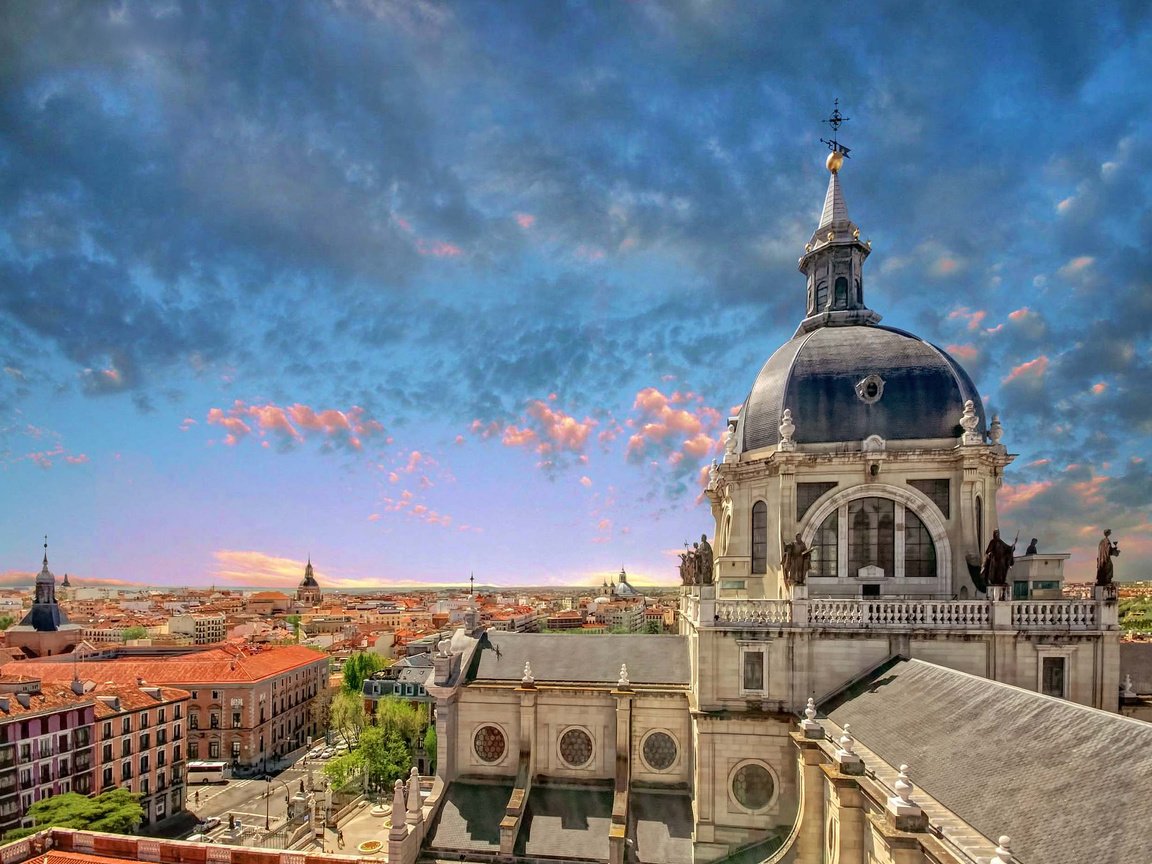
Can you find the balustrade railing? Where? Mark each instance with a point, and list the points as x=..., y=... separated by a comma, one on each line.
x=757, y=612
x=828, y=612
x=1054, y=614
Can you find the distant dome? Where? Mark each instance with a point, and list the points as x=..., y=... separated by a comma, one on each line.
x=845, y=383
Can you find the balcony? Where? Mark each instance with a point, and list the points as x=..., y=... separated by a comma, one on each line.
x=825, y=613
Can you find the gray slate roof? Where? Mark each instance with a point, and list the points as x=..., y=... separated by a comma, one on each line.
x=583, y=658
x=1067, y=783
x=1136, y=660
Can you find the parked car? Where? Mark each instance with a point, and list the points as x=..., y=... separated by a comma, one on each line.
x=316, y=752
x=328, y=753
x=208, y=824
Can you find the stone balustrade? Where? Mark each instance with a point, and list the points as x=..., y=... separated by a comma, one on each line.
x=1054, y=615
x=827, y=612
x=755, y=612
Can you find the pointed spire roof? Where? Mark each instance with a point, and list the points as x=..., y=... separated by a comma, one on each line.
x=835, y=210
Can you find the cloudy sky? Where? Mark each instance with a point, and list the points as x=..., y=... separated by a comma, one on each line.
x=425, y=289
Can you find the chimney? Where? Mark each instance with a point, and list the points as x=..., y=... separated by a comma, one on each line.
x=77, y=686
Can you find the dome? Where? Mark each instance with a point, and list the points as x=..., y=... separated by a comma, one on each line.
x=846, y=383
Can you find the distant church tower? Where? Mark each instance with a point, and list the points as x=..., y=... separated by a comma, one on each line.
x=45, y=630
x=309, y=593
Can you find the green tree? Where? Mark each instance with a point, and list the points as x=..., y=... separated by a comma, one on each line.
x=348, y=717
x=430, y=747
x=396, y=715
x=135, y=632
x=117, y=812
x=358, y=667
x=344, y=770
x=653, y=627
x=387, y=756
x=6, y=621
x=321, y=711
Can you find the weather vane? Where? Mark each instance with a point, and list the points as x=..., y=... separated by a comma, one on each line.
x=834, y=120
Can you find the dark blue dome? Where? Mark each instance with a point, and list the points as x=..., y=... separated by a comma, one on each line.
x=846, y=383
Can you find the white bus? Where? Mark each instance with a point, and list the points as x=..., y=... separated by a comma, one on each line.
x=208, y=772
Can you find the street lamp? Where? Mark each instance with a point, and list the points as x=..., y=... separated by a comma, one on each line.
x=267, y=795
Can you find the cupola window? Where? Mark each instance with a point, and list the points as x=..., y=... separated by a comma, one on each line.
x=841, y=293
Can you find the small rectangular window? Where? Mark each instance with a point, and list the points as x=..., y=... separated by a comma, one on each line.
x=1052, y=675
x=753, y=670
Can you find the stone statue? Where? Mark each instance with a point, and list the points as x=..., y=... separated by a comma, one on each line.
x=1104, y=555
x=687, y=568
x=704, y=560
x=969, y=420
x=796, y=561
x=730, y=443
x=713, y=474
x=998, y=558
x=1031, y=550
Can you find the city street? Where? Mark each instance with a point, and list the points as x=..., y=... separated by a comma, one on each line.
x=248, y=799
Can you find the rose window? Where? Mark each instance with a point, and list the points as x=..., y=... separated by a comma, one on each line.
x=576, y=747
x=659, y=751
x=489, y=744
x=752, y=786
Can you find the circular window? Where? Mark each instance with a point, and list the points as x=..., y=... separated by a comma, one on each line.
x=576, y=747
x=660, y=751
x=489, y=744
x=870, y=389
x=752, y=786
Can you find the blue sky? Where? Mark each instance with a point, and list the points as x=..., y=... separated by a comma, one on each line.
x=425, y=289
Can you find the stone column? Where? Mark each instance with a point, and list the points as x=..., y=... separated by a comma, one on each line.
x=847, y=804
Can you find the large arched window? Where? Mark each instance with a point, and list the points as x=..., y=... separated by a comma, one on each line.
x=872, y=535
x=919, y=550
x=759, y=537
x=825, y=547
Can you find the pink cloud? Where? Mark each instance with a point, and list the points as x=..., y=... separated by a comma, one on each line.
x=333, y=427
x=525, y=220
x=437, y=249
x=514, y=436
x=78, y=459
x=945, y=265
x=586, y=482
x=1039, y=463
x=972, y=318
x=1014, y=496
x=1019, y=314
x=186, y=424
x=963, y=352
x=1099, y=387
x=1033, y=369
x=459, y=439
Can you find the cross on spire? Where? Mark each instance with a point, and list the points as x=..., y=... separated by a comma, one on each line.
x=835, y=120
x=45, y=550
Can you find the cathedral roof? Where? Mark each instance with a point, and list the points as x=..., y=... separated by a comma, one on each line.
x=651, y=659
x=990, y=752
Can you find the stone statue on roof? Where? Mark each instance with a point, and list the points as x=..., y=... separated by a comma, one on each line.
x=1106, y=551
x=795, y=562
x=998, y=559
x=704, y=559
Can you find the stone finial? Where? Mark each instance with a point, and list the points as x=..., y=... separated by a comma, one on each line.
x=847, y=742
x=995, y=430
x=444, y=647
x=399, y=829
x=713, y=474
x=969, y=420
x=527, y=680
x=1129, y=687
x=787, y=430
x=1004, y=851
x=623, y=683
x=730, y=443
x=811, y=728
x=846, y=758
x=903, y=786
x=415, y=813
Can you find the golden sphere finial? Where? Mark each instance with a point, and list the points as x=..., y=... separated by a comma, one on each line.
x=834, y=161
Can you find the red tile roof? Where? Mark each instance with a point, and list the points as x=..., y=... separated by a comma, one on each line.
x=222, y=665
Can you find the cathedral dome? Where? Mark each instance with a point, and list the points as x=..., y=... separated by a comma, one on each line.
x=846, y=383
x=843, y=377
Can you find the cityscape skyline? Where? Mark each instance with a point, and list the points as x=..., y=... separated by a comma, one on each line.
x=424, y=291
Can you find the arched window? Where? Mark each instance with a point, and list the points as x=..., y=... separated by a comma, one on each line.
x=841, y=293
x=872, y=535
x=825, y=546
x=919, y=550
x=759, y=537
x=859, y=293
x=979, y=525
x=821, y=296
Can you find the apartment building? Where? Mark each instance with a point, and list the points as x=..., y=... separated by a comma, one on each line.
x=203, y=628
x=246, y=706
x=45, y=744
x=141, y=746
